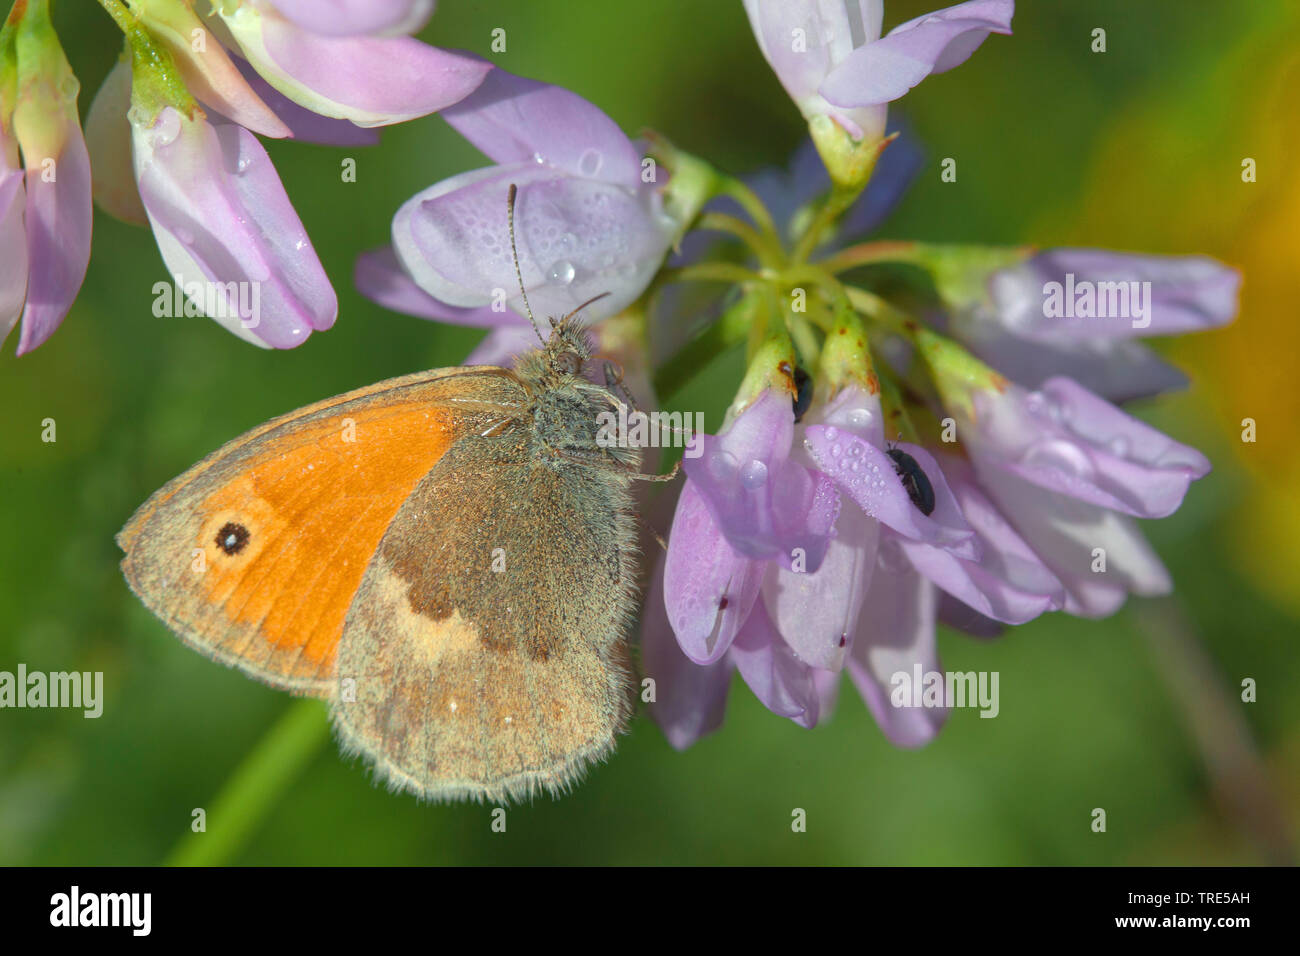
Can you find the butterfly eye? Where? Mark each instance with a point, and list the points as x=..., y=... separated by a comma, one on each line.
x=232, y=538
x=568, y=363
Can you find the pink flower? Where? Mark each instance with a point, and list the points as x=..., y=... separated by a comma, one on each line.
x=45, y=205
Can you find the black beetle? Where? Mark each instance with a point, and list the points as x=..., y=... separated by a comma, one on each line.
x=914, y=480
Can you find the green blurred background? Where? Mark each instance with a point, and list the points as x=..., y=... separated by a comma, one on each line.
x=1137, y=148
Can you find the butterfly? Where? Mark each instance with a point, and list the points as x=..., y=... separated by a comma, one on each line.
x=448, y=558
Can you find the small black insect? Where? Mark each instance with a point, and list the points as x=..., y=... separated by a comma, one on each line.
x=803, y=388
x=914, y=480
x=232, y=537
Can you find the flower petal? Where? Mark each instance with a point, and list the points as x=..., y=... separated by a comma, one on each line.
x=709, y=588
x=1070, y=441
x=58, y=214
x=502, y=345
x=816, y=612
x=805, y=40
x=350, y=17
x=13, y=246
x=883, y=70
x=379, y=276
x=1177, y=294
x=690, y=699
x=1116, y=369
x=897, y=638
x=577, y=239
x=301, y=123
x=1099, y=555
x=108, y=141
x=783, y=683
x=225, y=226
x=206, y=67
x=868, y=476
x=370, y=80
x=767, y=505
x=513, y=119
x=1009, y=583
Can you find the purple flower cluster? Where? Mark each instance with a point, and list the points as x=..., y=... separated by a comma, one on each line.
x=805, y=541
x=172, y=144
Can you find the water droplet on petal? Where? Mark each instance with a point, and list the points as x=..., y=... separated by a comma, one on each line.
x=561, y=272
x=538, y=158
x=1063, y=456
x=589, y=162
x=722, y=465
x=832, y=433
x=166, y=128
x=754, y=475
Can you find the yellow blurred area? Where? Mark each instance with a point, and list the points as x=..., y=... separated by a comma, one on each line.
x=1168, y=178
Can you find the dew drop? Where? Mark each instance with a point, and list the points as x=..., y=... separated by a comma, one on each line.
x=1063, y=456
x=561, y=272
x=722, y=464
x=753, y=475
x=167, y=128
x=832, y=433
x=589, y=162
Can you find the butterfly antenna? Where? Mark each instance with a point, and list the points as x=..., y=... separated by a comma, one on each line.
x=514, y=251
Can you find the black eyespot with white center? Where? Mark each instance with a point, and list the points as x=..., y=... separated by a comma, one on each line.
x=232, y=538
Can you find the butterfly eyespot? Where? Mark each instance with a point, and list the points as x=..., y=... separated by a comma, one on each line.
x=232, y=538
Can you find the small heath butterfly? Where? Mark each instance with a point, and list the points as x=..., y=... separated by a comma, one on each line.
x=448, y=558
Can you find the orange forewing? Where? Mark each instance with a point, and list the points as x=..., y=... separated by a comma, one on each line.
x=313, y=491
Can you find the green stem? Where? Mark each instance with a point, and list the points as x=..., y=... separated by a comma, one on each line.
x=866, y=253
x=721, y=222
x=750, y=202
x=255, y=786
x=837, y=200
x=874, y=307
x=124, y=20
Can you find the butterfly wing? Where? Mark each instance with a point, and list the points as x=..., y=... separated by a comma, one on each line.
x=255, y=554
x=485, y=652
